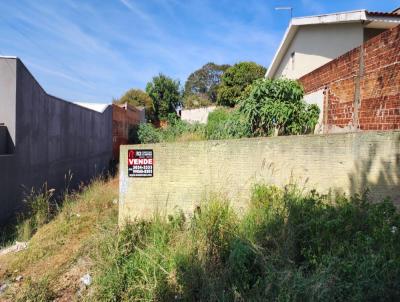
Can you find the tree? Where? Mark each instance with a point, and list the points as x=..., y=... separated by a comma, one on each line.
x=235, y=80
x=276, y=107
x=138, y=98
x=204, y=81
x=192, y=101
x=165, y=94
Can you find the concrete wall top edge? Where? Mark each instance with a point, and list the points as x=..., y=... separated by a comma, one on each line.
x=52, y=97
x=270, y=138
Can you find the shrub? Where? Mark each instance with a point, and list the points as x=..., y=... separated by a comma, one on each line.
x=225, y=124
x=148, y=134
x=277, y=107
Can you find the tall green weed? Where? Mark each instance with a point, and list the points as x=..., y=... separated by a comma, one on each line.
x=288, y=246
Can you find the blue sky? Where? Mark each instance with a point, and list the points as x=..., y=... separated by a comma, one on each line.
x=93, y=51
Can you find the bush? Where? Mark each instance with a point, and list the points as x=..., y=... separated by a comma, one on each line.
x=288, y=246
x=225, y=124
x=276, y=107
x=148, y=134
x=216, y=123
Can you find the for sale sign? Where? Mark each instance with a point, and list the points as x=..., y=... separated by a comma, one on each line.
x=140, y=163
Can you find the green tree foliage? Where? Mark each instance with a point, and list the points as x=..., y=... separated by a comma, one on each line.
x=204, y=81
x=277, y=107
x=165, y=94
x=193, y=101
x=235, y=80
x=138, y=98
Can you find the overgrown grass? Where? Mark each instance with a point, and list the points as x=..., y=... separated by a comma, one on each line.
x=288, y=246
x=222, y=123
x=177, y=130
x=57, y=254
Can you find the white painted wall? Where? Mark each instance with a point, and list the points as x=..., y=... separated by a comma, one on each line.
x=315, y=45
x=199, y=115
x=317, y=98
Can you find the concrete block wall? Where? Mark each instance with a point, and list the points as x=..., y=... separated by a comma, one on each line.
x=185, y=174
x=362, y=87
x=53, y=138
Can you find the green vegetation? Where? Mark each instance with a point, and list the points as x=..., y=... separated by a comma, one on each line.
x=226, y=123
x=58, y=252
x=288, y=246
x=267, y=107
x=193, y=101
x=277, y=107
x=201, y=86
x=177, y=130
x=165, y=94
x=235, y=80
x=138, y=98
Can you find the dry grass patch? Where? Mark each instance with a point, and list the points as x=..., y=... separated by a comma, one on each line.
x=57, y=254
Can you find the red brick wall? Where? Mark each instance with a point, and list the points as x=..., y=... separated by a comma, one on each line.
x=362, y=87
x=123, y=119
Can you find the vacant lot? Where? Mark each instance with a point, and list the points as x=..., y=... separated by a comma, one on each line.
x=288, y=246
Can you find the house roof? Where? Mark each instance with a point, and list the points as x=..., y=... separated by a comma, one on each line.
x=372, y=19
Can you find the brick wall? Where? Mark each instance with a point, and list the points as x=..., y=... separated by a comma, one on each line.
x=362, y=87
x=186, y=173
x=124, y=117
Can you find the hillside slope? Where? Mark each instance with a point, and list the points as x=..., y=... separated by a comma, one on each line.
x=58, y=254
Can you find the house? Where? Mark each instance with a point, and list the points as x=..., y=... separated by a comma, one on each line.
x=310, y=42
x=348, y=65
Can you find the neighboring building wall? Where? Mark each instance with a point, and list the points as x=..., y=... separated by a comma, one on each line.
x=185, y=174
x=199, y=115
x=8, y=90
x=52, y=139
x=6, y=143
x=124, y=117
x=317, y=98
x=315, y=45
x=361, y=87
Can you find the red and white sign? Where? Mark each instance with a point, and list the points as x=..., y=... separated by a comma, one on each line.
x=140, y=163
